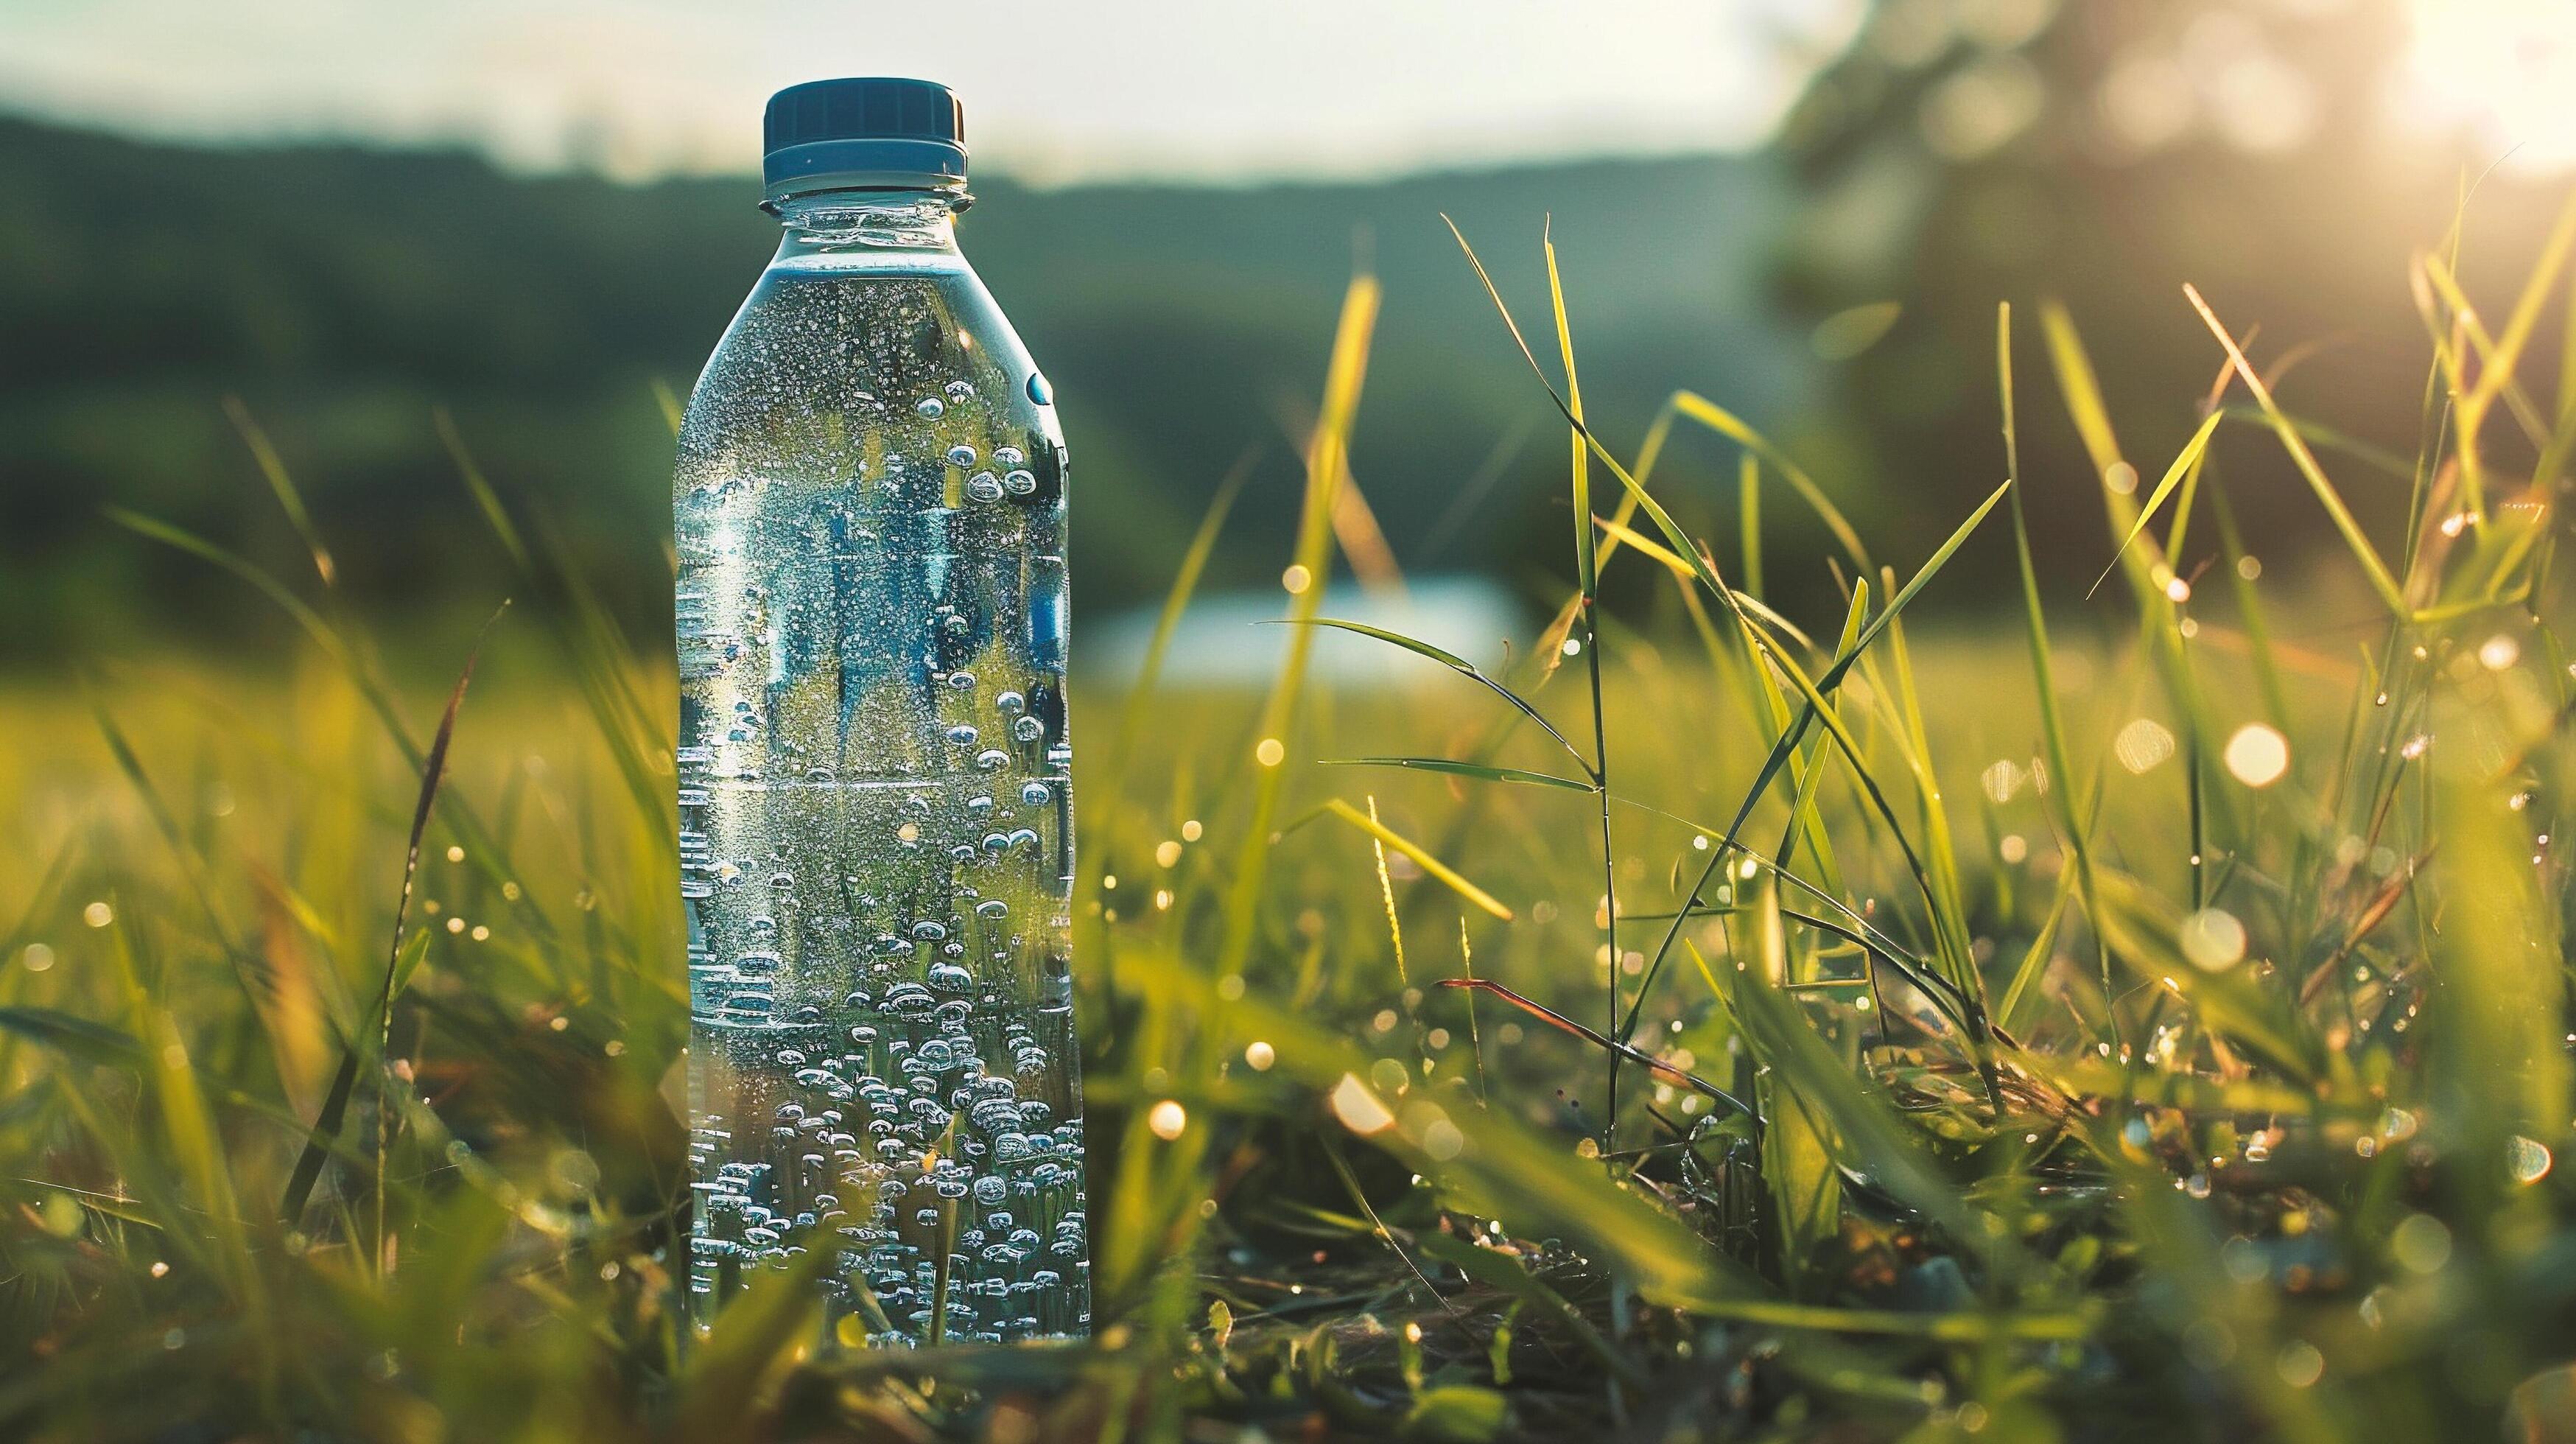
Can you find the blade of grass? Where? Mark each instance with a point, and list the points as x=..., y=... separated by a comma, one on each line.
x=1801, y=1154
x=1462, y=769
x=1578, y=443
x=1563, y=1024
x=2250, y=615
x=1681, y=543
x=481, y=846
x=2060, y=794
x=335, y=1105
x=272, y=467
x=72, y=1035
x=1343, y=379
x=1748, y=519
x=1447, y=659
x=1167, y=623
x=2306, y=460
x=1779, y=754
x=2185, y=463
x=2010, y=1013
x=1871, y=1138
x=1727, y=424
x=487, y=501
x=1435, y=867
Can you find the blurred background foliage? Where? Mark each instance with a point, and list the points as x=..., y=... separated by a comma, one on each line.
x=1824, y=287
x=347, y=296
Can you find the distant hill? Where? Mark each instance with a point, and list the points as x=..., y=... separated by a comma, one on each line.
x=345, y=293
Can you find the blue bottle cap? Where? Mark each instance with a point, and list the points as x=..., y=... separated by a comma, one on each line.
x=866, y=133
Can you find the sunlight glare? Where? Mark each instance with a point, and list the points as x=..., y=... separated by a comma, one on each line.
x=2501, y=69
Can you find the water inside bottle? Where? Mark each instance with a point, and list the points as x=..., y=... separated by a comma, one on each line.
x=875, y=808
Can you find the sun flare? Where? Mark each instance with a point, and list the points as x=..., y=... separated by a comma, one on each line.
x=2499, y=69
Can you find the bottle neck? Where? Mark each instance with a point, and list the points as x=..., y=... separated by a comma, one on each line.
x=827, y=222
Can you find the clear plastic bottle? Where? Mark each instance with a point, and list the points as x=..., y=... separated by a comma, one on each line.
x=876, y=845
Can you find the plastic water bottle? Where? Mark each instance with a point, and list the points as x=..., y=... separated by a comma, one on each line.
x=876, y=844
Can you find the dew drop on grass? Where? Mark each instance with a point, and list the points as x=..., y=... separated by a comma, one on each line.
x=2420, y=1243
x=2300, y=1364
x=2528, y=1159
x=2143, y=745
x=2212, y=939
x=1359, y=1109
x=2257, y=755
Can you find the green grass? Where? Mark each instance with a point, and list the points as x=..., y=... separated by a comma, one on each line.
x=2152, y=1024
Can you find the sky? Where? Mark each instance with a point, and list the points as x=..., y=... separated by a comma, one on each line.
x=1055, y=90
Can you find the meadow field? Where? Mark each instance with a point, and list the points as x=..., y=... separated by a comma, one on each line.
x=2132, y=1016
